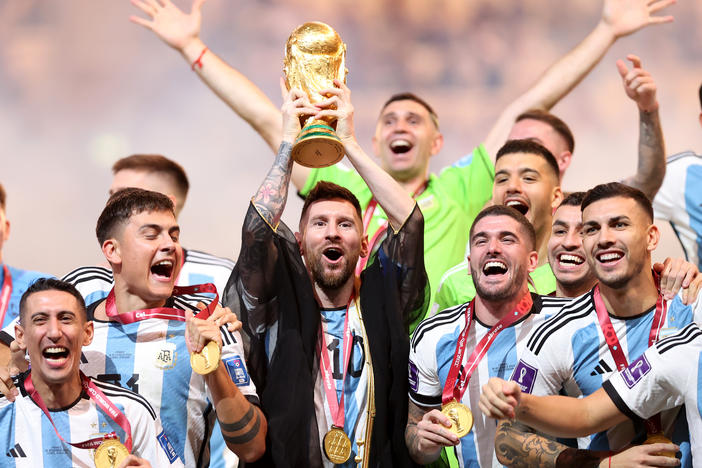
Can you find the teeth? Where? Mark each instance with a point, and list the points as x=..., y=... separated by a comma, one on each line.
x=609, y=256
x=399, y=143
x=165, y=263
x=514, y=203
x=571, y=258
x=494, y=264
x=56, y=350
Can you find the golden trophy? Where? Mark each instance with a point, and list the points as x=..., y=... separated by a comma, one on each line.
x=315, y=56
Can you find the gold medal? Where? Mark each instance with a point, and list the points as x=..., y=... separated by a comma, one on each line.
x=460, y=416
x=659, y=438
x=110, y=454
x=337, y=445
x=207, y=360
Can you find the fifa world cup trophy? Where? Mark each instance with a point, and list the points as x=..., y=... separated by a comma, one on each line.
x=314, y=57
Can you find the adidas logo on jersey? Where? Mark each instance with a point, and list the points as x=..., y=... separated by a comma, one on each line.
x=601, y=368
x=16, y=452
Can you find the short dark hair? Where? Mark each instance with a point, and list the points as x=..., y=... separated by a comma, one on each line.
x=3, y=197
x=412, y=97
x=125, y=203
x=573, y=199
x=51, y=284
x=155, y=163
x=503, y=210
x=548, y=118
x=329, y=191
x=616, y=189
x=530, y=147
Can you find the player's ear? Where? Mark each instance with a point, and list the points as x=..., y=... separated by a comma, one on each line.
x=364, y=246
x=19, y=335
x=89, y=332
x=298, y=238
x=533, y=261
x=653, y=237
x=111, y=250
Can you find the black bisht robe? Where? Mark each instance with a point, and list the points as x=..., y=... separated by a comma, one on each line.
x=272, y=294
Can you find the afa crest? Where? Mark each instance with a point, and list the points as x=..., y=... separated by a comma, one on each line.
x=165, y=355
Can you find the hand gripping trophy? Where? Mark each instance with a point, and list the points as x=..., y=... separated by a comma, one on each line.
x=314, y=57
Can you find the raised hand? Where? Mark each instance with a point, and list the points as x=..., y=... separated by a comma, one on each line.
x=624, y=17
x=338, y=105
x=499, y=398
x=168, y=22
x=199, y=332
x=638, y=84
x=677, y=274
x=296, y=104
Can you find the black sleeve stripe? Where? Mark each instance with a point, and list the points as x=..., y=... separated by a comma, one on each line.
x=618, y=402
x=253, y=399
x=424, y=400
x=6, y=338
x=443, y=317
x=81, y=275
x=204, y=258
x=116, y=391
x=569, y=313
x=227, y=337
x=684, y=336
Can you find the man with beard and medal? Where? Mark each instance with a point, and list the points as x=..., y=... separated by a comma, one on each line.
x=150, y=334
x=59, y=417
x=328, y=350
x=602, y=332
x=454, y=351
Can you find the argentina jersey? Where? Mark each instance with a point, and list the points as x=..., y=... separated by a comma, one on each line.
x=569, y=354
x=668, y=374
x=679, y=201
x=21, y=280
x=356, y=383
x=431, y=353
x=28, y=438
x=150, y=357
x=94, y=282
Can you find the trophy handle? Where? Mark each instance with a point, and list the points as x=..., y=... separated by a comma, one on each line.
x=317, y=145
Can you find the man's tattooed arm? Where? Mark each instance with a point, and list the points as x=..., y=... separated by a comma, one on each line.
x=517, y=446
x=273, y=193
x=651, y=164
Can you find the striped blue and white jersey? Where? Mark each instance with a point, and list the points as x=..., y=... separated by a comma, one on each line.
x=668, y=374
x=679, y=201
x=150, y=357
x=95, y=282
x=21, y=280
x=28, y=438
x=432, y=350
x=569, y=354
x=356, y=388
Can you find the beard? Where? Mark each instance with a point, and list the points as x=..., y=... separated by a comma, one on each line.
x=331, y=278
x=502, y=292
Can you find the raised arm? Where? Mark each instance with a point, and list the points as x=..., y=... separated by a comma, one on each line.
x=641, y=88
x=396, y=203
x=181, y=31
x=619, y=18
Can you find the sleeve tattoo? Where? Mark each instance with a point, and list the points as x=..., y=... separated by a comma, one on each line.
x=273, y=193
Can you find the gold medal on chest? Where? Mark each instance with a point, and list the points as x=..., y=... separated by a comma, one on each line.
x=337, y=445
x=110, y=454
x=207, y=360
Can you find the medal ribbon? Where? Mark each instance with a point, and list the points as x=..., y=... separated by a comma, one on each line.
x=103, y=403
x=367, y=216
x=166, y=313
x=336, y=405
x=5, y=292
x=653, y=424
x=456, y=386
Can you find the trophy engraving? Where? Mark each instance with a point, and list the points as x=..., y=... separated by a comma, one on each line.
x=315, y=56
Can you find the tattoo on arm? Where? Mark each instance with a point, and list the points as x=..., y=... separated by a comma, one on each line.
x=651, y=163
x=518, y=446
x=414, y=415
x=273, y=192
x=237, y=426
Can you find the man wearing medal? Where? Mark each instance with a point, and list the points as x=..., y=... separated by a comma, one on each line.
x=328, y=350
x=58, y=417
x=147, y=334
x=454, y=351
x=601, y=332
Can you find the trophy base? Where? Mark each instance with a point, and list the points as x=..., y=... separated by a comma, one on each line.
x=317, y=146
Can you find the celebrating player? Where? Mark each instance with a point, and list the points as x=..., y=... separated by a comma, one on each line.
x=454, y=351
x=603, y=330
x=328, y=354
x=58, y=415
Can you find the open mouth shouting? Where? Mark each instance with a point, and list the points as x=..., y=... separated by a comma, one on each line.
x=518, y=204
x=55, y=356
x=494, y=268
x=163, y=270
x=400, y=146
x=332, y=254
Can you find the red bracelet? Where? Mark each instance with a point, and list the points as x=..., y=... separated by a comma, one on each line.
x=610, y=461
x=198, y=62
